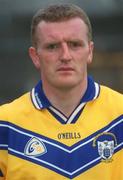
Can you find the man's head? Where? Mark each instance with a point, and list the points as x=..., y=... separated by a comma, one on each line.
x=59, y=13
x=61, y=46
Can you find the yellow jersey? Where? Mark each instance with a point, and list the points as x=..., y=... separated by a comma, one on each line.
x=38, y=142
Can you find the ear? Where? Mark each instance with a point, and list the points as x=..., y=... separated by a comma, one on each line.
x=91, y=47
x=34, y=56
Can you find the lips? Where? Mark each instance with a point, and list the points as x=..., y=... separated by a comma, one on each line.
x=65, y=69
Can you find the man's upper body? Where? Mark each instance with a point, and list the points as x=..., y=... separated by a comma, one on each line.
x=68, y=126
x=38, y=141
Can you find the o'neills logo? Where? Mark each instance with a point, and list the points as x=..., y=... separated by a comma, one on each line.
x=69, y=135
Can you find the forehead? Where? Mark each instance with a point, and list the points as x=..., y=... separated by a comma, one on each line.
x=73, y=28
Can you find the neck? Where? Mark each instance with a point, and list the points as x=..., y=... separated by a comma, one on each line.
x=65, y=101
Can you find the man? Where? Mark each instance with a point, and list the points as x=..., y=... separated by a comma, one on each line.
x=68, y=127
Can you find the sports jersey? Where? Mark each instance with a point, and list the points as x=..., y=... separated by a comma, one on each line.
x=38, y=142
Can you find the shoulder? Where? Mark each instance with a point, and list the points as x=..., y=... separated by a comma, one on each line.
x=111, y=97
x=18, y=106
x=106, y=91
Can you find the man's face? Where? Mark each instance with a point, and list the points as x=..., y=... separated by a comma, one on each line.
x=63, y=52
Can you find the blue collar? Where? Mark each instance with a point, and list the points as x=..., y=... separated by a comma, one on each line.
x=40, y=101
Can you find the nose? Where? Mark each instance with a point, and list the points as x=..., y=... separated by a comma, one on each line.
x=65, y=53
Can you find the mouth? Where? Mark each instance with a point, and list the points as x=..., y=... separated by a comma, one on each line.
x=65, y=69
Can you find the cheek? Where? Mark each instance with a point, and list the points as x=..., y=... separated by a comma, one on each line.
x=44, y=61
x=81, y=64
x=49, y=61
x=46, y=66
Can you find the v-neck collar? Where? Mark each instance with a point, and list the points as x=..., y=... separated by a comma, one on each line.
x=40, y=101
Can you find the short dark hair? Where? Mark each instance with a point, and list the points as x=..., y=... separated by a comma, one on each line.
x=58, y=13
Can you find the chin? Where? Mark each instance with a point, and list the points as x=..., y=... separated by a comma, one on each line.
x=66, y=84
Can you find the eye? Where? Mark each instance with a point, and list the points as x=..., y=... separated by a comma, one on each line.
x=74, y=44
x=52, y=46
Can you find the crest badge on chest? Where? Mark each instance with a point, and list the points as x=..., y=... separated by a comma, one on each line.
x=105, y=143
x=35, y=147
